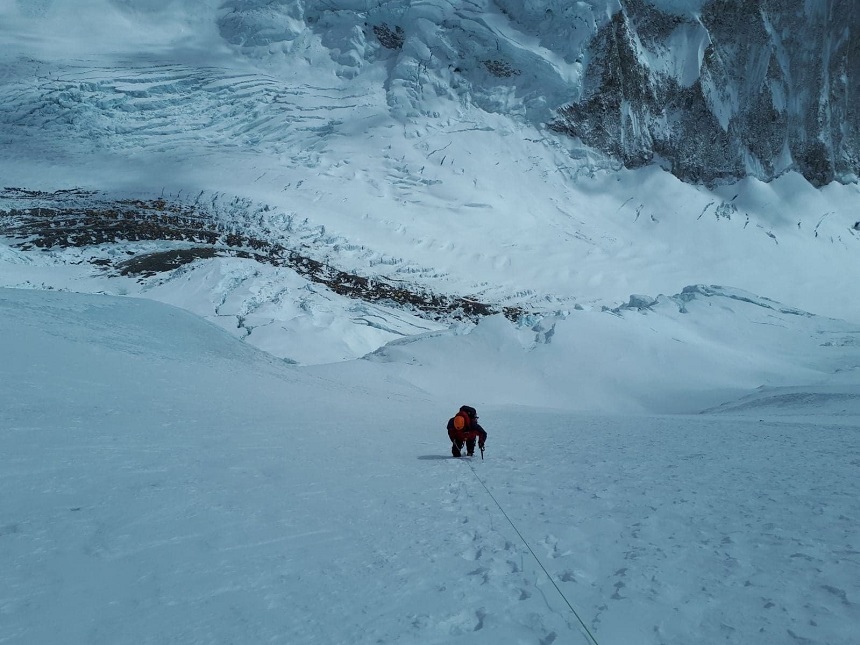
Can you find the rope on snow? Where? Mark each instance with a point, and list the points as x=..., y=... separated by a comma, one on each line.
x=537, y=559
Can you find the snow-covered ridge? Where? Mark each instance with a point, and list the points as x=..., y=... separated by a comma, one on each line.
x=271, y=277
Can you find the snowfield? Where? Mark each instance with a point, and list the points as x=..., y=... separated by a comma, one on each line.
x=164, y=482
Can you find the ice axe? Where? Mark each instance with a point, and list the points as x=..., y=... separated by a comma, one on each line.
x=482, y=451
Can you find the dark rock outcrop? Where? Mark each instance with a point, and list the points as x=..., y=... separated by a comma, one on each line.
x=775, y=90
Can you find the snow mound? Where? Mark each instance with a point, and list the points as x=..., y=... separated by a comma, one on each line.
x=683, y=353
x=837, y=402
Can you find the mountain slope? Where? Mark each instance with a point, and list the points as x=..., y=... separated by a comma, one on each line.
x=164, y=482
x=334, y=180
x=418, y=156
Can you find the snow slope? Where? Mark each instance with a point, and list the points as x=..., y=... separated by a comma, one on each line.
x=164, y=482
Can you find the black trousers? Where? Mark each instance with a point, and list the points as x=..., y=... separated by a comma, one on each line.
x=457, y=446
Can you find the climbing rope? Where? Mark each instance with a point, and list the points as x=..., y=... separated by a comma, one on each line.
x=534, y=555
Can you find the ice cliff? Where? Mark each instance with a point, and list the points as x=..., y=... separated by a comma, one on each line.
x=712, y=90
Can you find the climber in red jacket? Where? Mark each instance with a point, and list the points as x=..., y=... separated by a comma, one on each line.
x=463, y=428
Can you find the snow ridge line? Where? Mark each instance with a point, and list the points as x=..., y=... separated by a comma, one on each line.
x=537, y=559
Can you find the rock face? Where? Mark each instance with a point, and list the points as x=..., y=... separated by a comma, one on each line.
x=745, y=88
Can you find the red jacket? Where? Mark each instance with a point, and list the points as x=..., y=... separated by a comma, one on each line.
x=471, y=429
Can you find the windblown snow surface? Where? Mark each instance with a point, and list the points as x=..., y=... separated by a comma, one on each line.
x=232, y=453
x=164, y=482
